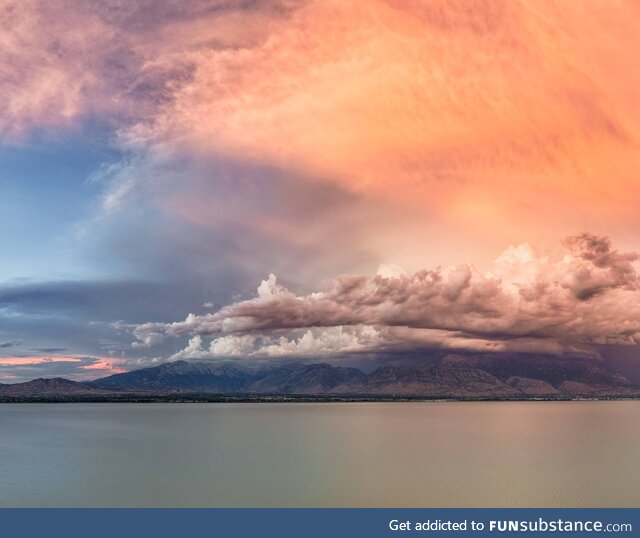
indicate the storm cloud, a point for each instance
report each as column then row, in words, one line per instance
column 590, row 296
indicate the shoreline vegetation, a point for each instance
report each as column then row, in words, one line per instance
column 290, row 398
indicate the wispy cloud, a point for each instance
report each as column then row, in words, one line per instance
column 30, row 361
column 476, row 111
column 120, row 63
column 79, row 368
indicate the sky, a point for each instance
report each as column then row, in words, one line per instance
column 315, row 180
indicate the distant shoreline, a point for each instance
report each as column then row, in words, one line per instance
column 288, row 398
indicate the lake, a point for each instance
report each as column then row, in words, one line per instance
column 431, row 454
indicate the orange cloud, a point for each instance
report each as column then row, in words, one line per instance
column 498, row 116
column 475, row 120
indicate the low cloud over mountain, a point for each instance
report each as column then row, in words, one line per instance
column 526, row 302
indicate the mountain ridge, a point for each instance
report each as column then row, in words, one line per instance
column 454, row 376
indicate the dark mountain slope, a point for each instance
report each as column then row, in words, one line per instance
column 47, row 387
column 307, row 379
column 453, row 376
column 181, row 376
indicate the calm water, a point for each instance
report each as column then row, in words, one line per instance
column 361, row 454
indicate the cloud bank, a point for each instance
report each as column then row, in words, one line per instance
column 590, row 296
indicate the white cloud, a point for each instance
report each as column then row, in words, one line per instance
column 312, row 342
column 148, row 339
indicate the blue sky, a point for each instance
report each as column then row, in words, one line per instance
column 47, row 195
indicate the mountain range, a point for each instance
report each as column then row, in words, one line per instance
column 453, row 376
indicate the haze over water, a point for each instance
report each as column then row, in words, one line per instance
column 483, row 454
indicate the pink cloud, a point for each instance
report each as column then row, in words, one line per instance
column 120, row 62
column 8, row 377
column 27, row 361
column 109, row 365
column 80, row 368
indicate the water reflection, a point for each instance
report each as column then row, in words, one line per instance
column 361, row 454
